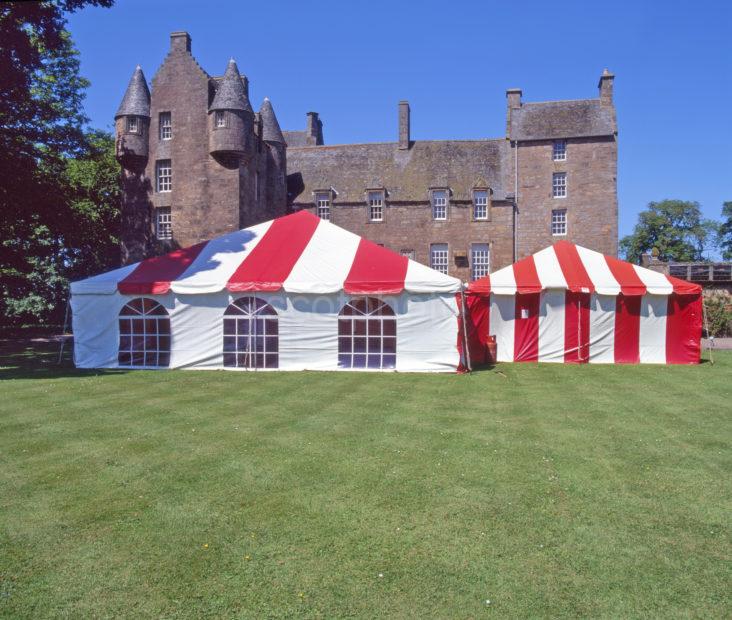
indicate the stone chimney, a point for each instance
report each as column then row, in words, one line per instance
column 514, row 97
column 404, row 136
column 606, row 87
column 180, row 42
column 314, row 129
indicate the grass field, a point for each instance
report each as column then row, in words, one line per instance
column 550, row 491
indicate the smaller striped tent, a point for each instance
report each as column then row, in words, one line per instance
column 570, row 304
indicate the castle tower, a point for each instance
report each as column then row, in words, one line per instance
column 276, row 160
column 231, row 119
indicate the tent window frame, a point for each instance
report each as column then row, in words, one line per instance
column 144, row 334
column 367, row 335
column 251, row 334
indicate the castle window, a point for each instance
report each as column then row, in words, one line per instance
column 144, row 334
column 559, row 222
column 322, row 204
column 219, row 118
column 559, row 185
column 166, row 126
column 163, row 175
column 251, row 334
column 163, row 223
column 133, row 125
column 480, row 260
column 376, row 206
column 408, row 253
column 438, row 257
column 480, row 204
column 439, row 204
column 559, row 150
column 366, row 334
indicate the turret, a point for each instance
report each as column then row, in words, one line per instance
column 231, row 120
column 274, row 142
column 132, row 123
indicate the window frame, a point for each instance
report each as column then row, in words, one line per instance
column 261, row 349
column 163, row 184
column 433, row 263
column 487, row 205
column 372, row 196
column 165, row 126
column 484, row 266
column 410, row 254
column 367, row 335
column 563, row 222
column 324, row 196
column 434, row 206
column 161, row 215
column 221, row 120
column 135, row 322
column 559, row 150
column 129, row 121
column 559, row 189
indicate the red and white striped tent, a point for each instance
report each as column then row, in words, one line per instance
column 570, row 304
column 293, row 293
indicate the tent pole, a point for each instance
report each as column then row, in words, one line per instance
column 63, row 331
column 710, row 338
column 465, row 329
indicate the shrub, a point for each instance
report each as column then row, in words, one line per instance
column 719, row 315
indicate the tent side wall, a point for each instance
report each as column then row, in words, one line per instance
column 427, row 329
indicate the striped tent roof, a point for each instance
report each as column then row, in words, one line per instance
column 298, row 253
column 571, row 267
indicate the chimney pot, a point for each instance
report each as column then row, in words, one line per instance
column 404, row 125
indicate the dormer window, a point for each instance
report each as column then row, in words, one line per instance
column 219, row 119
column 133, row 125
column 439, row 204
column 480, row 204
column 559, row 150
column 322, row 205
column 376, row 206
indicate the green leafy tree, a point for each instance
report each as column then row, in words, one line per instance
column 41, row 127
column 724, row 233
column 675, row 228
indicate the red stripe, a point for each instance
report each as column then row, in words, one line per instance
column 683, row 329
column 627, row 329
column 482, row 286
column 625, row 274
column 272, row 259
column 682, row 287
column 477, row 320
column 376, row 270
column 576, row 327
column 526, row 334
column 573, row 268
column 527, row 279
column 154, row 275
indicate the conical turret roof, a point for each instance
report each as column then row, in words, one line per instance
column 231, row 94
column 271, row 131
column 137, row 97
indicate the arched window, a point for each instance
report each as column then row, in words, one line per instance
column 144, row 334
column 366, row 334
column 250, row 334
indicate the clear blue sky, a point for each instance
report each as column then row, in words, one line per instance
column 353, row 61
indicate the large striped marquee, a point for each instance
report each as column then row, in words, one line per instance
column 570, row 304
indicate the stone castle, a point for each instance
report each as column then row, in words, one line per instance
column 198, row 162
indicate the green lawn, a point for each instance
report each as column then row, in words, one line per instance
column 548, row 490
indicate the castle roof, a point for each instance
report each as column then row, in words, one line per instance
column 271, row 131
column 407, row 175
column 137, row 97
column 561, row 119
column 231, row 93
column 296, row 137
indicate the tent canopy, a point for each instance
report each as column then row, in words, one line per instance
column 298, row 253
column 566, row 266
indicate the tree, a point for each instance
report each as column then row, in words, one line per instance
column 675, row 228
column 724, row 233
column 42, row 125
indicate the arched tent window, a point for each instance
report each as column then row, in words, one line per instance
column 144, row 334
column 251, row 335
column 366, row 334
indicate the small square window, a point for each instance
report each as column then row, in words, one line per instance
column 480, row 204
column 164, row 175
column 559, row 222
column 133, row 125
column 438, row 257
column 559, row 150
column 479, row 260
column 220, row 118
column 376, row 206
column 559, row 185
column 166, row 126
column 439, row 204
column 322, row 205
column 163, row 223
column 408, row 253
